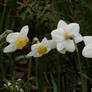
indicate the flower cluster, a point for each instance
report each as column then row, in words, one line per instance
column 14, row 86
column 62, row 40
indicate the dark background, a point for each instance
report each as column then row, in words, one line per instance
column 42, row 17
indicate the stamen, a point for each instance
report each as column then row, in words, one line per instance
column 42, row 49
column 66, row 37
column 21, row 42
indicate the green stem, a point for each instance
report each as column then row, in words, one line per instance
column 12, row 70
column 59, row 78
column 63, row 84
column 58, row 72
column 79, row 66
column 37, row 63
column 12, row 66
column 28, row 77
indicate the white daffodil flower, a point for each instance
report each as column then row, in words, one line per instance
column 21, row 90
column 63, row 34
column 9, row 86
column 17, row 40
column 19, row 79
column 41, row 48
column 87, row 50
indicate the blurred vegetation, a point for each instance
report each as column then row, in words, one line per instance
column 42, row 17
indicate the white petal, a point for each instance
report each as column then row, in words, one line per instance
column 17, row 87
column 12, row 37
column 34, row 54
column 9, row 83
column 19, row 79
column 87, row 39
column 61, row 48
column 35, row 46
column 37, row 55
column 21, row 90
column 57, row 35
column 34, row 51
column 5, row 85
column 61, row 24
column 87, row 51
column 30, row 54
column 48, row 43
column 24, row 31
column 35, row 39
column 44, row 41
column 52, row 44
column 73, row 29
column 69, row 45
column 78, row 38
column 10, row 48
column 63, row 51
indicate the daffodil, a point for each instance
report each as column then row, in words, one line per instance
column 87, row 50
column 9, row 86
column 40, row 48
column 63, row 36
column 17, row 40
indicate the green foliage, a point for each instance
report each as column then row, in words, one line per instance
column 42, row 17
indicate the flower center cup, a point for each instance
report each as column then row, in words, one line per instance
column 42, row 49
column 21, row 42
column 66, row 37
